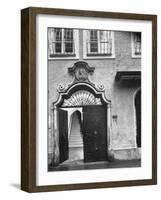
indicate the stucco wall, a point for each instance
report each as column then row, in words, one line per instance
column 120, row 94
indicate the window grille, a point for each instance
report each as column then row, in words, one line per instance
column 99, row 43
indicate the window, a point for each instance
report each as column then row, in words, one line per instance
column 57, row 44
column 136, row 44
column 61, row 42
column 68, row 41
column 93, row 43
column 99, row 43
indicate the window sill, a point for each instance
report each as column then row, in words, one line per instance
column 99, row 54
column 136, row 55
column 62, row 55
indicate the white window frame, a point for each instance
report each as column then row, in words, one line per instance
column 133, row 55
column 76, row 48
column 85, row 56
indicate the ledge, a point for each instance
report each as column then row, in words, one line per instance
column 62, row 55
column 128, row 75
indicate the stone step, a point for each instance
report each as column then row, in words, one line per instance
column 73, row 146
column 75, row 142
column 76, row 136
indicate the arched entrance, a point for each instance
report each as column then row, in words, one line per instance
column 92, row 123
column 81, row 95
column 138, row 117
column 75, row 137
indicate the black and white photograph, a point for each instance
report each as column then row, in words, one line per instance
column 94, row 99
column 89, row 97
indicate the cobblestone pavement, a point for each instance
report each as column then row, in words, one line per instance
column 80, row 165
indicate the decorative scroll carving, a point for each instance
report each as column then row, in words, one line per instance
column 81, row 98
column 81, row 71
column 61, row 88
column 100, row 87
column 85, row 91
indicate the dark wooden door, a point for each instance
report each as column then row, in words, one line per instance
column 95, row 133
column 63, row 135
column 138, row 118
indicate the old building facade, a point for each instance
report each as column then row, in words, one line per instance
column 94, row 95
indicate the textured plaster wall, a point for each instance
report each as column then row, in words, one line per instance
column 123, row 128
column 121, row 94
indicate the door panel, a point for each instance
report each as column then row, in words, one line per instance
column 63, row 135
column 138, row 117
column 95, row 133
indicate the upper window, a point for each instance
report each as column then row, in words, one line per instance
column 61, row 42
column 136, row 44
column 98, row 43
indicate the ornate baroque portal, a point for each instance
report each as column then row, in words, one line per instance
column 85, row 94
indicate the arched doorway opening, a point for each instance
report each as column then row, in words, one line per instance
column 94, row 123
column 138, row 117
column 76, row 137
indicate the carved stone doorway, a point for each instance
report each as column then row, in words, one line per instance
column 82, row 94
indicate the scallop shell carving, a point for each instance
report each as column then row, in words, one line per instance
column 81, row 98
